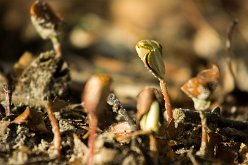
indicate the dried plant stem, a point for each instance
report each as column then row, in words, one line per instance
column 230, row 31
column 167, row 100
column 55, row 128
column 203, row 151
column 92, row 137
column 56, row 46
column 8, row 96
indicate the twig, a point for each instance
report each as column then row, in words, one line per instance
column 229, row 35
column 117, row 107
column 55, row 128
column 8, row 97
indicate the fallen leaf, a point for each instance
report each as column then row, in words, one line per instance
column 33, row 118
column 23, row 117
column 23, row 62
column 120, row 131
column 203, row 84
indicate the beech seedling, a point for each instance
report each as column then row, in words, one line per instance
column 47, row 23
column 199, row 89
column 94, row 99
column 150, row 52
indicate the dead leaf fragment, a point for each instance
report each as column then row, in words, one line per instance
column 203, row 84
column 23, row 62
column 121, row 130
column 33, row 118
column 23, row 117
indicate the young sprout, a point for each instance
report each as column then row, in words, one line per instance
column 94, row 97
column 150, row 52
column 47, row 23
column 199, row 90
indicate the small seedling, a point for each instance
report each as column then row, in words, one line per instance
column 150, row 52
column 47, row 23
column 199, row 90
column 94, row 98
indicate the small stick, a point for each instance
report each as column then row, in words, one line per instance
column 8, row 98
column 229, row 35
column 118, row 108
column 55, row 128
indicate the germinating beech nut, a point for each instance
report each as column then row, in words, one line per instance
column 95, row 93
column 144, row 101
column 150, row 120
column 203, row 84
column 150, row 52
column 45, row 20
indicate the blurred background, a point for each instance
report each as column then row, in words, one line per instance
column 100, row 36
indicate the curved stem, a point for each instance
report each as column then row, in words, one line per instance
column 56, row 46
column 167, row 100
column 203, row 151
column 55, row 129
column 92, row 136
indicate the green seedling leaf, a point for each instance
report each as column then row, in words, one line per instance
column 150, row 52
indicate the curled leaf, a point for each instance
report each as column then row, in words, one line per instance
column 46, row 22
column 23, row 117
column 150, row 52
column 95, row 93
column 33, row 118
column 203, row 84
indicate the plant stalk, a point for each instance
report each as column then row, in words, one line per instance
column 167, row 100
column 203, row 151
column 92, row 137
column 55, row 128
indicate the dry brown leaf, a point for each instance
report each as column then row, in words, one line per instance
column 203, row 84
column 23, row 117
column 121, row 130
column 33, row 118
column 23, row 62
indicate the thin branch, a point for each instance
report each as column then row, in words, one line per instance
column 8, row 97
column 230, row 31
column 118, row 108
